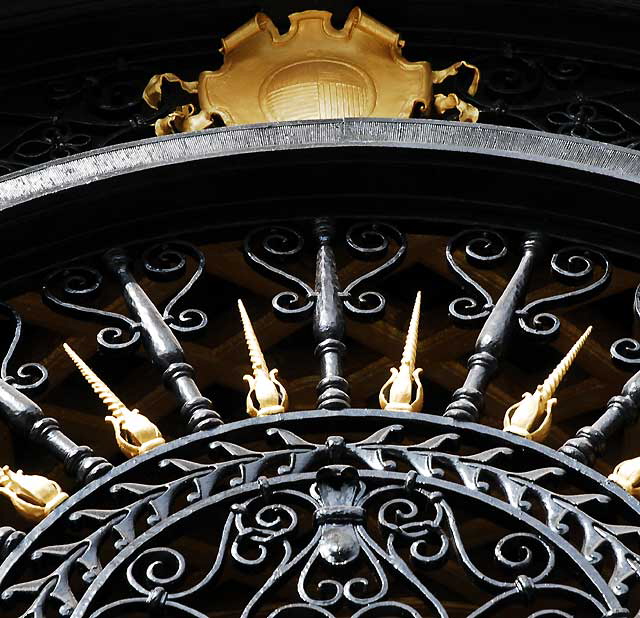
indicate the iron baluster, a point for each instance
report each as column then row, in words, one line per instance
column 26, row 417
column 622, row 410
column 468, row 401
column 164, row 349
column 328, row 322
column 327, row 300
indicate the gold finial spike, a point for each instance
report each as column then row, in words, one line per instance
column 255, row 353
column 397, row 392
column 550, row 385
column 411, row 343
column 114, row 405
column 266, row 393
column 627, row 475
column 34, row 497
column 531, row 417
column 134, row 432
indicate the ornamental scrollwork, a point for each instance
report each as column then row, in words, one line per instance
column 482, row 248
column 413, row 522
column 168, row 261
column 586, row 270
column 29, row 376
column 626, row 351
column 269, row 249
column 326, row 492
column 67, row 290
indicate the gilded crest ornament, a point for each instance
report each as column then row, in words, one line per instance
column 134, row 432
column 33, row 496
column 313, row 71
column 266, row 394
column 403, row 391
column 531, row 418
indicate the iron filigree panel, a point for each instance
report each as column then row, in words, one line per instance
column 291, row 520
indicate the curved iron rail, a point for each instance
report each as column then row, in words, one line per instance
column 524, row 144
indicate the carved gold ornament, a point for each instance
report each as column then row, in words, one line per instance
column 627, row 475
column 266, row 394
column 313, row 71
column 403, row 392
column 134, row 432
column 34, row 497
column 531, row 418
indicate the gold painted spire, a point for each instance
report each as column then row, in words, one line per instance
column 34, row 497
column 114, row 405
column 265, row 389
column 398, row 391
column 134, row 432
column 531, row 417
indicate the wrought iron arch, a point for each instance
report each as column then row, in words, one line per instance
column 540, row 496
column 506, row 183
column 450, row 466
column 342, row 508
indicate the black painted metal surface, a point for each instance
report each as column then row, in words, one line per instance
column 330, row 517
column 326, row 513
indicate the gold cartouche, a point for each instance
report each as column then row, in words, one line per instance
column 531, row 418
column 134, row 432
column 34, row 497
column 398, row 391
column 312, row 71
column 266, row 393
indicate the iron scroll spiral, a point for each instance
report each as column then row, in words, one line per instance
column 31, row 377
column 571, row 265
column 168, row 261
column 64, row 287
column 482, row 248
